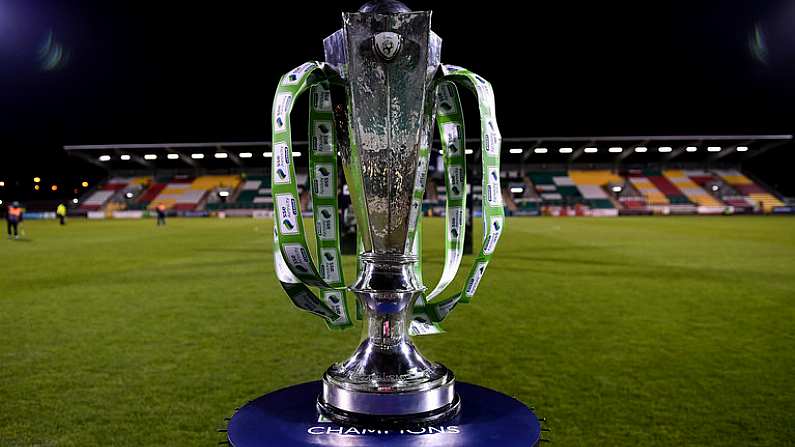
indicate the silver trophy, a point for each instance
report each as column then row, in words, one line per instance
column 387, row 57
column 375, row 101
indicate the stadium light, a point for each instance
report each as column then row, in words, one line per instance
column 641, row 149
column 36, row 179
column 104, row 158
column 197, row 156
column 129, row 195
column 713, row 149
column 469, row 152
column 664, row 149
column 691, row 149
column 617, row 188
column 540, row 150
column 516, row 150
column 517, row 189
column 565, row 150
column 54, row 188
column 616, row 150
column 75, row 201
column 591, row 150
column 223, row 193
column 296, row 154
column 172, row 156
column 245, row 155
column 742, row 148
column 221, row 155
column 150, row 157
column 84, row 184
column 125, row 157
column 267, row 154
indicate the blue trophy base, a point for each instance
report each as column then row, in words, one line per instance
column 289, row 418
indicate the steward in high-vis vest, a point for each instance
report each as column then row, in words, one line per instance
column 14, row 217
column 61, row 213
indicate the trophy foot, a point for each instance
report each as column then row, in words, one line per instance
column 373, row 421
column 434, row 402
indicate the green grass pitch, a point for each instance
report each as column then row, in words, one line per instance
column 621, row 332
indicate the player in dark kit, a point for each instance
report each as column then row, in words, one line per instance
column 161, row 214
column 13, row 218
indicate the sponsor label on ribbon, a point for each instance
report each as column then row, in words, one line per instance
column 288, row 214
column 323, row 183
column 281, row 163
column 321, row 142
column 284, row 102
column 326, row 222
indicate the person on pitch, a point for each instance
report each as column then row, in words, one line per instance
column 161, row 214
column 13, row 219
column 60, row 211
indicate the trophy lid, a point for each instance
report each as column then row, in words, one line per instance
column 384, row 7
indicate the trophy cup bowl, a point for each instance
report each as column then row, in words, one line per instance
column 386, row 57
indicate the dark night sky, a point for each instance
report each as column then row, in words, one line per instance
column 205, row 71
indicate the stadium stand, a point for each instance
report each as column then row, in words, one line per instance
column 692, row 191
column 645, row 186
column 591, row 185
column 756, row 194
column 187, row 195
column 721, row 189
column 553, row 191
column 255, row 193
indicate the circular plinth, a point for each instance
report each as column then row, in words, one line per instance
column 289, row 418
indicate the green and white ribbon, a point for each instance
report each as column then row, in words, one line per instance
column 295, row 267
column 492, row 205
column 291, row 249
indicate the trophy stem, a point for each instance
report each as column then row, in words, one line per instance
column 387, row 382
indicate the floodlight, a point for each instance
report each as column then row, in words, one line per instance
column 267, row 154
column 296, row 154
column 517, row 190
column 615, row 150
column 75, row 201
column 641, row 149
column 223, row 193
column 469, row 151
column 84, row 184
column 540, row 150
column 150, row 157
column 104, row 158
column 617, row 189
column 715, row 187
column 125, row 157
column 565, row 150
column 172, row 156
column 516, row 150
column 713, row 149
column 54, row 188
column 691, row 149
column 245, row 155
column 129, row 195
column 221, row 155
column 665, row 149
column 197, row 156
column 591, row 150
column 742, row 148
column 36, row 179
